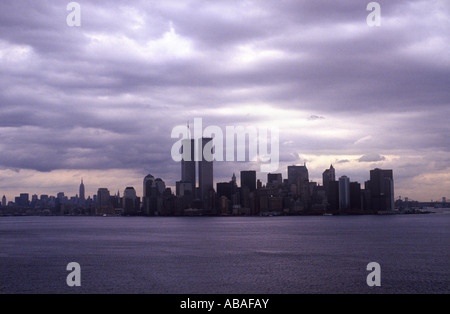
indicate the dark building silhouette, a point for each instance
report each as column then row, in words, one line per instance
column 104, row 205
column 327, row 176
column 333, row 195
column 381, row 190
column 296, row 173
column 248, row 180
column 130, row 202
column 103, row 196
column 366, row 199
column 205, row 171
column 23, row 200
column 82, row 191
column 149, row 186
column 344, row 193
column 149, row 196
column 188, row 169
column 224, row 189
column 274, row 179
column 355, row 196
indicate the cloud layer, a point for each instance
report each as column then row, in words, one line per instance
column 104, row 97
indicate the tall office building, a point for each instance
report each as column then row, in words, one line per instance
column 149, row 195
column 24, row 200
column 160, row 186
column 184, row 189
column 103, row 198
column 296, row 173
column 4, row 201
column 148, row 185
column 355, row 196
column 274, row 179
column 344, row 193
column 333, row 195
column 205, row 170
column 130, row 201
column 224, row 189
column 188, row 163
column 327, row 176
column 248, row 180
column 381, row 189
column 82, row 191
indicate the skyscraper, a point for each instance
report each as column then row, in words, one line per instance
column 327, row 176
column 205, row 169
column 355, row 196
column 274, row 179
column 130, row 201
column 149, row 195
column 224, row 189
column 82, row 195
column 103, row 198
column 188, row 163
column 296, row 173
column 148, row 185
column 160, row 186
column 233, row 181
column 382, row 189
column 248, row 180
column 333, row 195
column 24, row 200
column 344, row 193
column 4, row 201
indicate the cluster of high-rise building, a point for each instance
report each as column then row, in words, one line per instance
column 196, row 195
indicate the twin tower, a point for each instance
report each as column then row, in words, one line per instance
column 189, row 170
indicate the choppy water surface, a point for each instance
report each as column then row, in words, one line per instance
column 225, row 254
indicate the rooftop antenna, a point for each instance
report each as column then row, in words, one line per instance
column 189, row 130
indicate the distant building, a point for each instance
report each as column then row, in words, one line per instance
column 149, row 195
column 333, row 195
column 184, row 188
column 224, row 189
column 327, row 176
column 296, row 173
column 82, row 191
column 130, row 202
column 4, row 201
column 381, row 190
column 355, row 196
column 248, row 179
column 274, row 179
column 205, row 171
column 148, row 186
column 160, row 186
column 103, row 198
column 344, row 193
column 24, row 200
column 188, row 169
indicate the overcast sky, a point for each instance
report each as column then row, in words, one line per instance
column 99, row 101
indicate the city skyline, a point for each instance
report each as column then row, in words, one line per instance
column 99, row 101
column 294, row 195
column 91, row 190
column 292, row 174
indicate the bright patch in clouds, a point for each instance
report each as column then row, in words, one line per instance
column 100, row 101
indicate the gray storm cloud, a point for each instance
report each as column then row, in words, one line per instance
column 107, row 94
